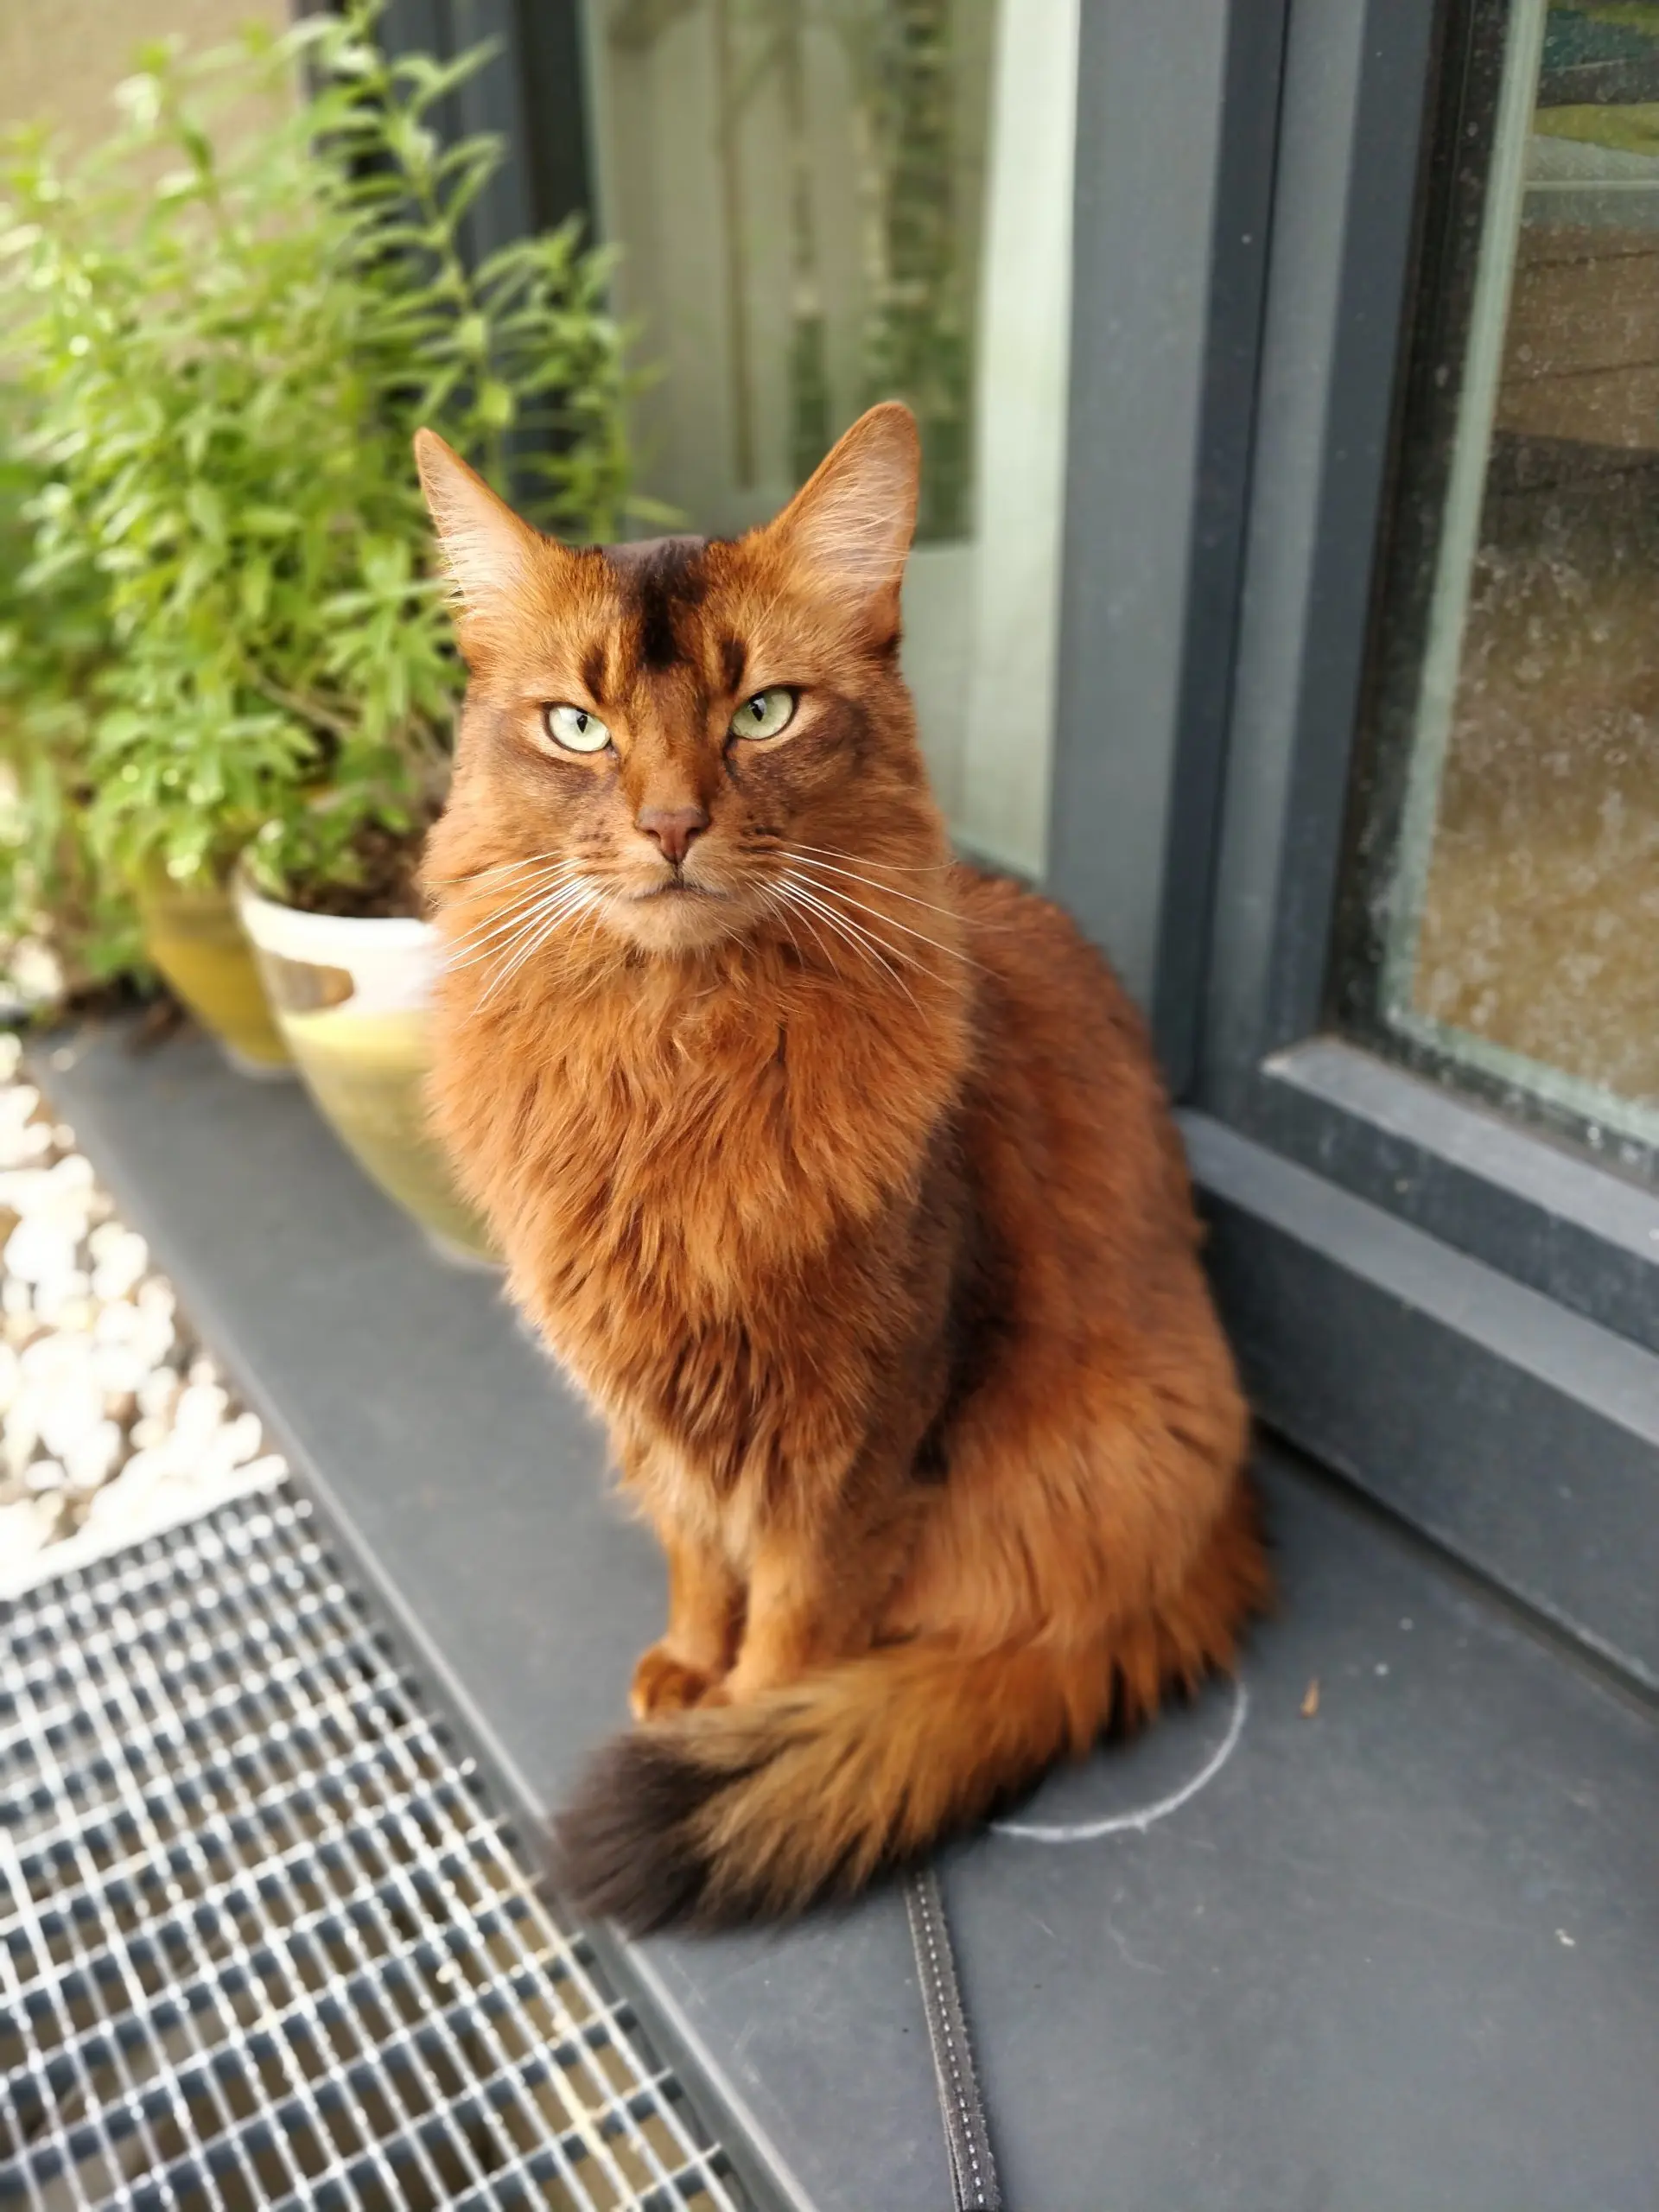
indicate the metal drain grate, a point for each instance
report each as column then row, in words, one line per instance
column 262, row 1943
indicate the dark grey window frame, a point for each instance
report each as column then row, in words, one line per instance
column 1460, row 1314
column 532, row 93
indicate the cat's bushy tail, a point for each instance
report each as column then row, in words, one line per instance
column 756, row 1811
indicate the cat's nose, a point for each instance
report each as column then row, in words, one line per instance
column 672, row 828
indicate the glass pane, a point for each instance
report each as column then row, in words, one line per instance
column 1508, row 851
column 822, row 203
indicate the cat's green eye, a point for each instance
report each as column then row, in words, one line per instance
column 766, row 715
column 576, row 729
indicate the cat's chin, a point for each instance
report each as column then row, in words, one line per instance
column 676, row 919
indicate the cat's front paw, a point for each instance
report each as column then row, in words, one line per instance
column 663, row 1683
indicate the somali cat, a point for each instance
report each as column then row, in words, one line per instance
column 840, row 1178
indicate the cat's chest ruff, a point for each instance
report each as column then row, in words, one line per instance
column 754, row 1132
column 667, row 1131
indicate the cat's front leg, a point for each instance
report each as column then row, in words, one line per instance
column 705, row 1604
column 817, row 1591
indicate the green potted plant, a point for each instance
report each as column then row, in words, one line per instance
column 73, row 923
column 227, row 371
column 67, row 928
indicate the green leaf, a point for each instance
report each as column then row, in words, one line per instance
column 253, row 590
column 496, row 405
column 204, row 505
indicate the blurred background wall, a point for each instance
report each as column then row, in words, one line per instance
column 63, row 58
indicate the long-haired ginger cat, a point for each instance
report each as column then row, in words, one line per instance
column 841, row 1180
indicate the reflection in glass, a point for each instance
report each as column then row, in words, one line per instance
column 826, row 203
column 1517, row 910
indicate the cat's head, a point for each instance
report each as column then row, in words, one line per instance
column 685, row 741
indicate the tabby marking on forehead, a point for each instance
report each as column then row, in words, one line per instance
column 664, row 576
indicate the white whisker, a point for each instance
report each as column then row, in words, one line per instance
column 482, row 943
column 799, row 855
column 504, row 973
column 921, row 936
column 776, row 905
column 574, row 898
column 503, row 867
column 818, row 936
column 832, row 902
column 517, row 894
column 550, row 911
column 505, row 920
column 839, row 903
column 861, row 939
column 895, row 867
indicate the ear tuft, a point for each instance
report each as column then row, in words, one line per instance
column 487, row 548
column 852, row 522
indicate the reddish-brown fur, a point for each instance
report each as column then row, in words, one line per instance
column 876, row 1253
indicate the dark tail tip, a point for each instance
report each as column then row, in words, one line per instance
column 627, row 1849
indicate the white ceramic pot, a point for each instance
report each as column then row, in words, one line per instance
column 350, row 999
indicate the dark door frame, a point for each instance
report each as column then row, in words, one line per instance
column 1456, row 1311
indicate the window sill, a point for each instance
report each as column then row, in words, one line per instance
column 1522, row 1436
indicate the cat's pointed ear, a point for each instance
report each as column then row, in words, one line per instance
column 850, row 525
column 487, row 549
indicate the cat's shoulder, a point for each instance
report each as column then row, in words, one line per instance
column 1046, row 965
column 1001, row 912
column 984, row 895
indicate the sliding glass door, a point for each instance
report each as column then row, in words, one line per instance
column 1504, row 919
column 820, row 203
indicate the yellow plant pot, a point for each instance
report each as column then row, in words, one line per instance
column 195, row 940
column 350, row 999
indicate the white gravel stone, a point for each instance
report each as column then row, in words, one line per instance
column 99, row 1426
column 18, row 1447
column 122, row 1507
column 61, row 1356
column 94, row 1459
column 121, row 1371
column 59, row 1388
column 68, row 1304
column 158, row 1393
column 201, row 1407
column 40, row 1249
column 71, row 1417
column 269, row 1468
column 24, row 1527
column 237, row 1443
column 149, row 1336
column 121, row 1265
column 18, row 1103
